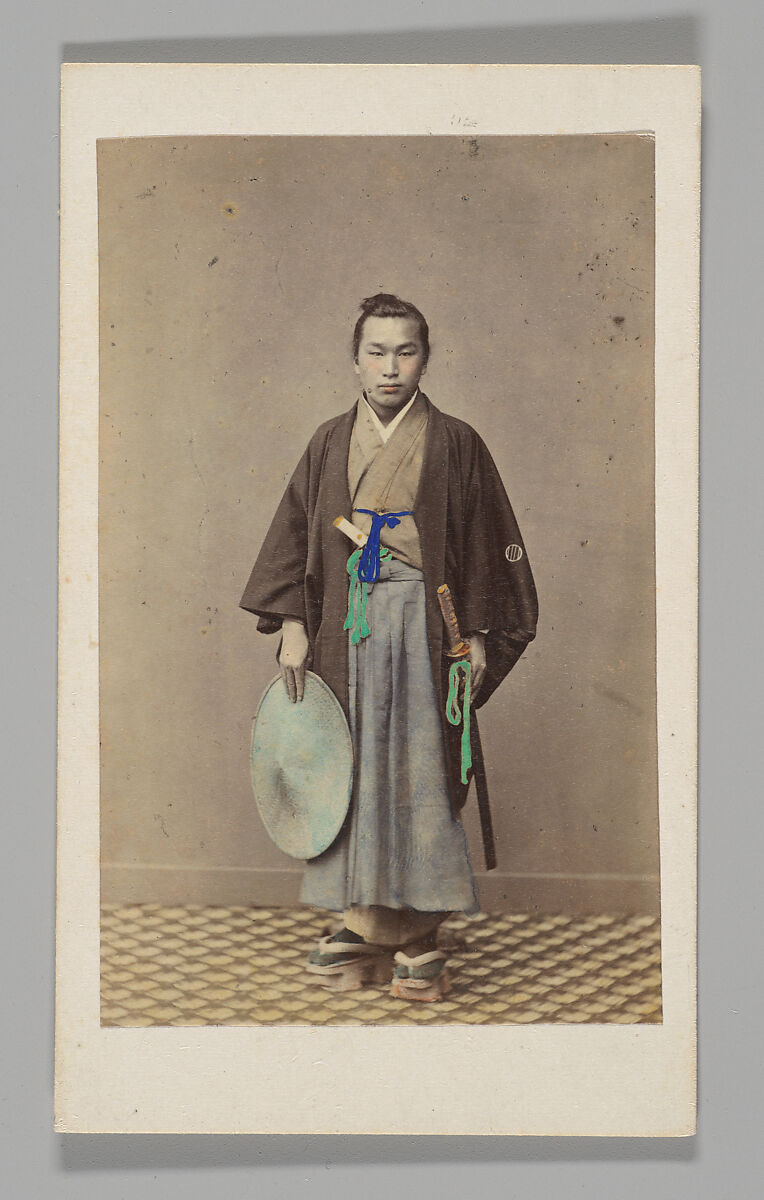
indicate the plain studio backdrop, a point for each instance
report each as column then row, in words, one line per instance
column 230, row 274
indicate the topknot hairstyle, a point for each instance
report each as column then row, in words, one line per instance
column 386, row 305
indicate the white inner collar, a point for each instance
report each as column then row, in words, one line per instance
column 387, row 431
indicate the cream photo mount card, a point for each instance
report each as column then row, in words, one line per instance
column 445, row 281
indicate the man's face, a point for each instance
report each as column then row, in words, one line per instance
column 390, row 362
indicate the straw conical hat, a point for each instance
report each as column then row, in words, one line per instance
column 302, row 767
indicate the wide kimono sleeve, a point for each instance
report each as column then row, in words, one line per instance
column 276, row 586
column 497, row 589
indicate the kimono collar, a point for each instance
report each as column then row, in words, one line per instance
column 387, row 431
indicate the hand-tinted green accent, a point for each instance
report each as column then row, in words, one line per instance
column 452, row 709
column 358, row 592
column 356, row 618
column 321, row 958
column 428, row 970
column 302, row 767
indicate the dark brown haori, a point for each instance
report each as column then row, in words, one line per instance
column 469, row 539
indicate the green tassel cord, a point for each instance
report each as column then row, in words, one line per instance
column 453, row 713
column 358, row 593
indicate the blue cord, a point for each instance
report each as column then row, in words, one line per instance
column 368, row 563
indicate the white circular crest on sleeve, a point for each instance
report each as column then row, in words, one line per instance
column 513, row 552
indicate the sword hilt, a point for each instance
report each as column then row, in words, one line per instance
column 351, row 531
column 457, row 647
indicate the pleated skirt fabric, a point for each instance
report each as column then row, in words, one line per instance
column 401, row 847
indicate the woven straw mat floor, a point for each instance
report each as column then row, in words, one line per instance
column 244, row 966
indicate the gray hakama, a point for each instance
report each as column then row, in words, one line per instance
column 401, row 847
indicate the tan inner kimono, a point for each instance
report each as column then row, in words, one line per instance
column 384, row 476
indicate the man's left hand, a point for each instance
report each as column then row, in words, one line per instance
column 477, row 662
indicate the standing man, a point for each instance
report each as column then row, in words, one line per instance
column 424, row 489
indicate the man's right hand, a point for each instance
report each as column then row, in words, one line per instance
column 292, row 658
